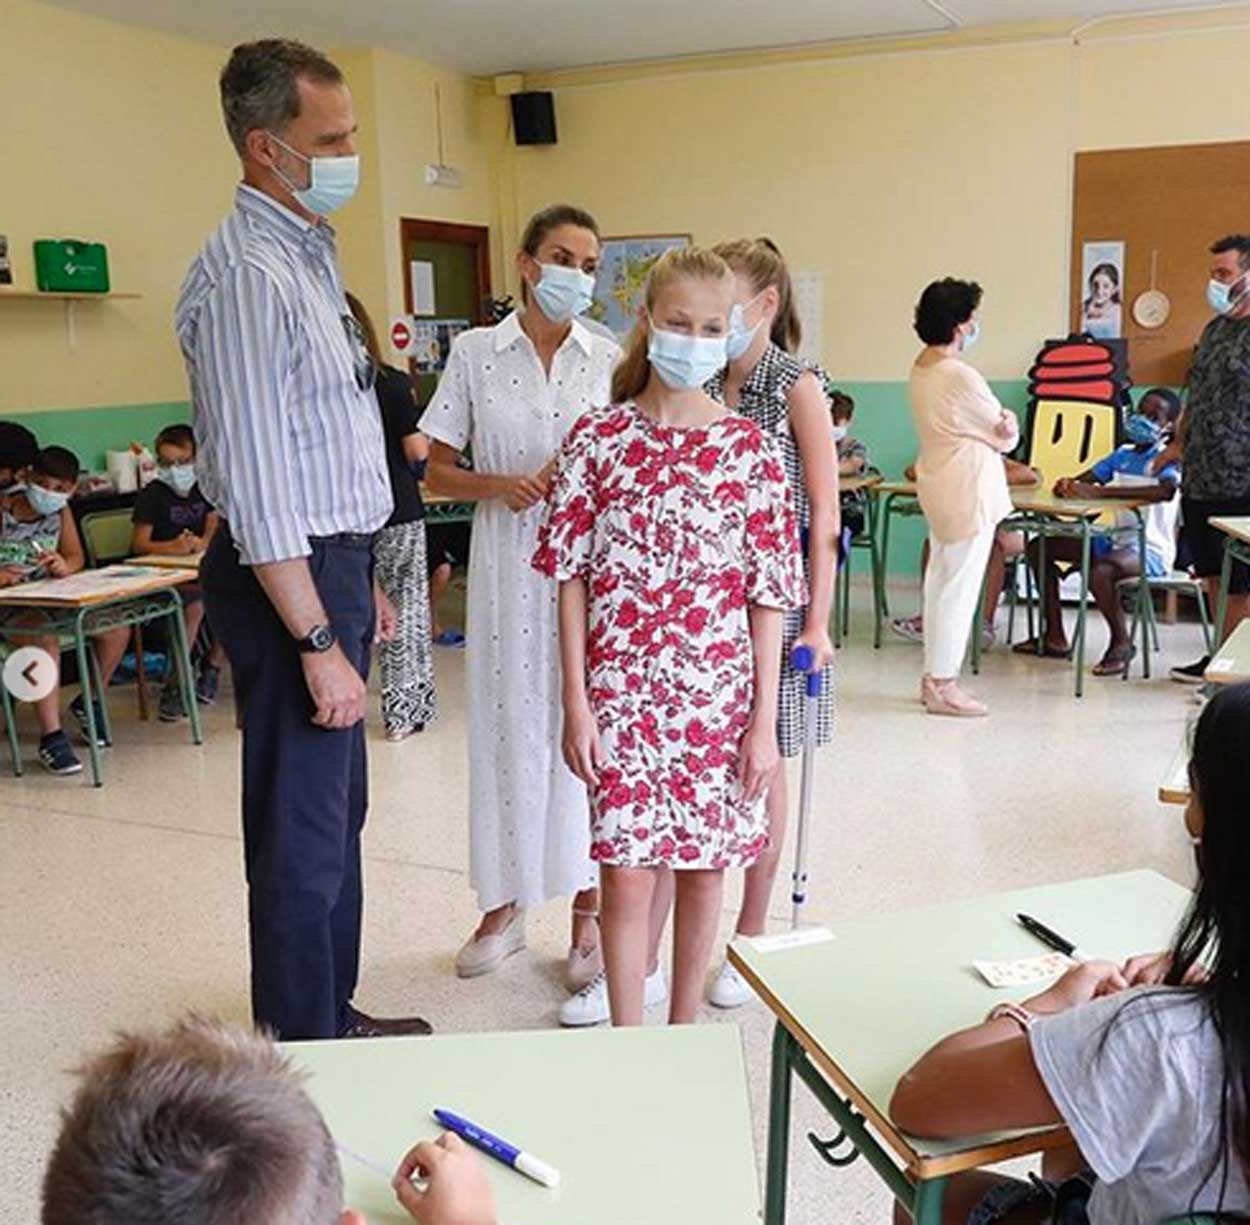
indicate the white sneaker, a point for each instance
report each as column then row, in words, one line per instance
column 590, row 1005
column 729, row 989
column 485, row 956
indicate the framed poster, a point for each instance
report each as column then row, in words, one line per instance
column 431, row 342
column 1102, row 295
column 623, row 267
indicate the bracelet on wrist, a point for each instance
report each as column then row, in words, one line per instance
column 1012, row 1012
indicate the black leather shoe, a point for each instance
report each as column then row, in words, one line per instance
column 359, row 1025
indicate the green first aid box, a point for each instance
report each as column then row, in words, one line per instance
column 70, row 265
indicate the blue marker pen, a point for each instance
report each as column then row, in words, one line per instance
column 521, row 1161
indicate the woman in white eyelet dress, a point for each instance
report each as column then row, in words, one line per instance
column 509, row 395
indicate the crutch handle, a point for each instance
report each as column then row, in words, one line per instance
column 803, row 659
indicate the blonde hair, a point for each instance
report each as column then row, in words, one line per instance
column 200, row 1124
column 761, row 261
column 678, row 264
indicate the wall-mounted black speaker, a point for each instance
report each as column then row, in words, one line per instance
column 534, row 118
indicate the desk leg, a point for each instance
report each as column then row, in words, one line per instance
column 1221, row 604
column 780, row 1092
column 1039, row 642
column 84, row 679
column 927, row 1209
column 10, row 726
column 1145, row 604
column 1079, row 653
column 186, row 676
column 882, row 569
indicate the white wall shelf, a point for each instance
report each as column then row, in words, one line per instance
column 70, row 301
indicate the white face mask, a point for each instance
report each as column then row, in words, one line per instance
column 840, row 432
column 740, row 337
column 332, row 181
column 179, row 477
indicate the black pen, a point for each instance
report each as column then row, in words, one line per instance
column 1051, row 939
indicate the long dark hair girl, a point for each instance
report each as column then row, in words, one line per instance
column 1216, row 928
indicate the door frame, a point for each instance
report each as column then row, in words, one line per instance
column 414, row 229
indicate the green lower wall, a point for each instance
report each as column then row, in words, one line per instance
column 89, row 432
column 882, row 421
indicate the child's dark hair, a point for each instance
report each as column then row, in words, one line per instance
column 60, row 463
column 841, row 406
column 176, row 436
column 1216, row 928
column 18, row 446
column 1169, row 397
column 943, row 306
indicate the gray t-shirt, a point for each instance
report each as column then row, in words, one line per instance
column 1144, row 1107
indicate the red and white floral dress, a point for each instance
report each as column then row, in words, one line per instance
column 676, row 532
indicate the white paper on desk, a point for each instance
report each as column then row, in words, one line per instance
column 788, row 940
column 1024, row 970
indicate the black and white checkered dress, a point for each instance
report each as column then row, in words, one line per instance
column 763, row 399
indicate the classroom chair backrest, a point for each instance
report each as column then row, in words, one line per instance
column 106, row 535
column 1067, row 436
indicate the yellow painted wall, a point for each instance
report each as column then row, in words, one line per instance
column 876, row 170
column 394, row 101
column 111, row 133
column 880, row 171
column 114, row 133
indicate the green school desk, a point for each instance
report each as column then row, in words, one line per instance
column 853, row 1013
column 1230, row 665
column 889, row 498
column 1175, row 786
column 1041, row 513
column 645, row 1125
column 867, row 539
column 439, row 509
column 74, row 608
column 1236, row 548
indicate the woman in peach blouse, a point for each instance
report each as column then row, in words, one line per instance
column 963, row 430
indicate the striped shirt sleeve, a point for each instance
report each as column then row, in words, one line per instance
column 245, row 356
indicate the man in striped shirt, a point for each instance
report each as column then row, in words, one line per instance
column 291, row 454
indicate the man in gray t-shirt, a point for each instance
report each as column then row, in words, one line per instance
column 1214, row 433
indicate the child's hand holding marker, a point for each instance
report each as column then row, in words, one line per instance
column 456, row 1191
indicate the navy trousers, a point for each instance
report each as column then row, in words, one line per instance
column 305, row 789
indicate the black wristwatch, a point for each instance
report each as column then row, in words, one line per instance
column 317, row 641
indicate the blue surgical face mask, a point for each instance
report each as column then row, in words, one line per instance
column 46, row 501
column 1220, row 297
column 1140, row 430
column 332, row 181
column 739, row 339
column 971, row 338
column 563, row 292
column 179, row 477
column 685, row 363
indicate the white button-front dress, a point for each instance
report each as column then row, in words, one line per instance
column 529, row 821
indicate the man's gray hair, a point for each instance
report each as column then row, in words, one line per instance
column 201, row 1124
column 260, row 84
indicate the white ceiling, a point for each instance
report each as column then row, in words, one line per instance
column 490, row 36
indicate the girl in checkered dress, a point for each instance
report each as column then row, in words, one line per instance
column 767, row 384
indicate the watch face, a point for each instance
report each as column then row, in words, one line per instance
column 321, row 638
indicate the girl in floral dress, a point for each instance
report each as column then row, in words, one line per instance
column 670, row 529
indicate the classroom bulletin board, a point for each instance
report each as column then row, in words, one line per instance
column 1173, row 201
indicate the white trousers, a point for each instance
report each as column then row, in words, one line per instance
column 952, row 592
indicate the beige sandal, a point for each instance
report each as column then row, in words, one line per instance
column 946, row 698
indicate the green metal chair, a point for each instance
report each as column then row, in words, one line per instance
column 107, row 537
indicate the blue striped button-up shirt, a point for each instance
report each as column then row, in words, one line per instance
column 289, row 446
